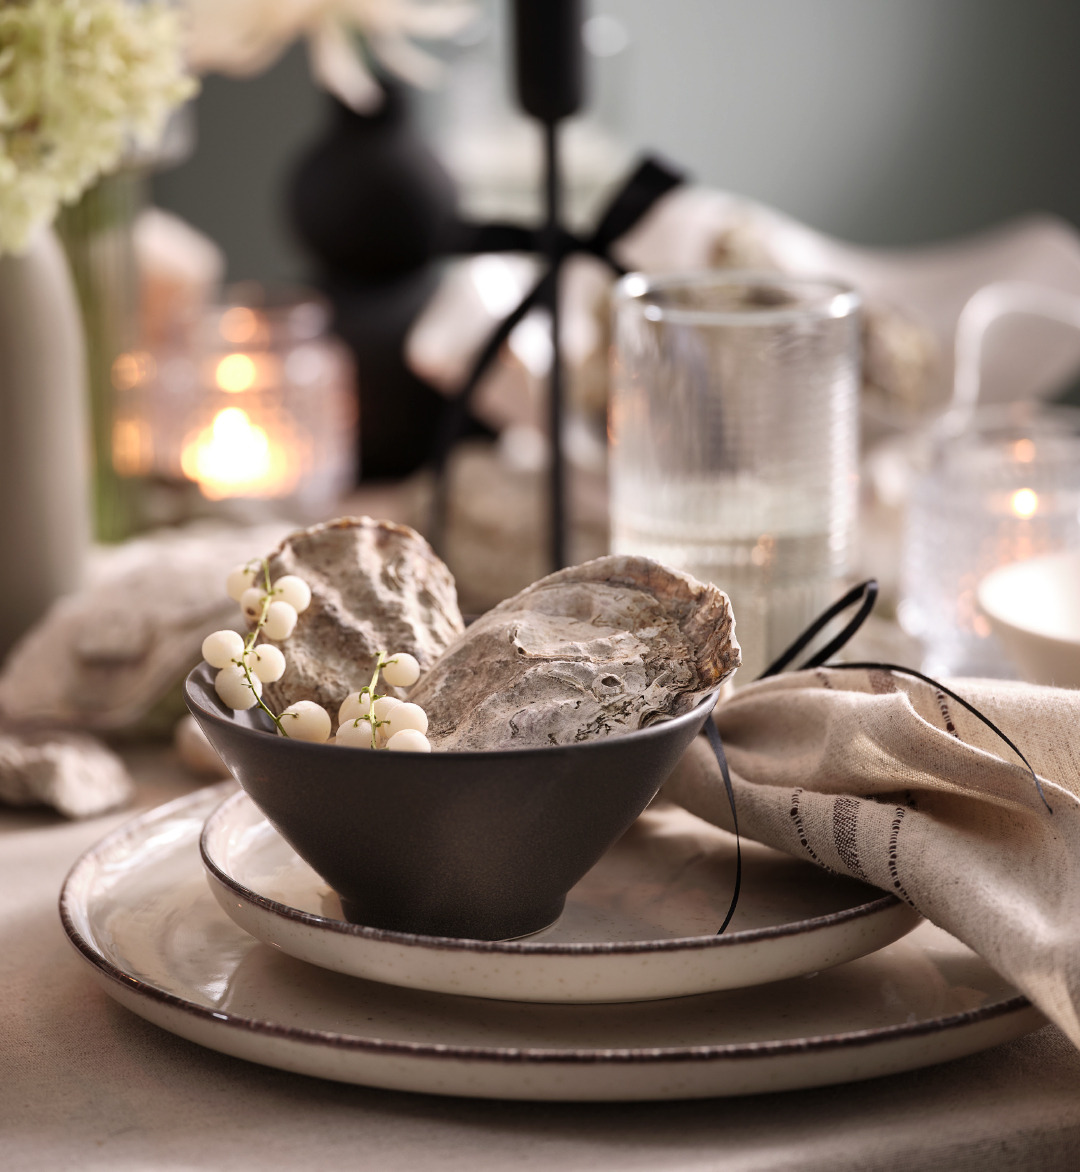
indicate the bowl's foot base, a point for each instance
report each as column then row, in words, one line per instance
column 458, row 927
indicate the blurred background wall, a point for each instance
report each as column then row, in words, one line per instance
column 880, row 121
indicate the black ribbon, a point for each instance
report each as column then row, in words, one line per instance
column 652, row 179
column 865, row 594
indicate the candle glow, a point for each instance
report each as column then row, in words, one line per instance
column 1024, row 502
column 235, row 457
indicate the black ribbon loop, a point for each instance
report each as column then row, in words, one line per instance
column 910, row 671
column 652, row 179
column 866, row 591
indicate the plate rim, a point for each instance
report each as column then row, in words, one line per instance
column 527, row 946
column 526, row 1055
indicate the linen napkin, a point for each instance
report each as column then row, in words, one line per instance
column 872, row 774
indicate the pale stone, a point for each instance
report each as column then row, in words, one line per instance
column 105, row 655
column 612, row 645
column 73, row 773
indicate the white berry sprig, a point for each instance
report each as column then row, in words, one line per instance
column 365, row 718
column 368, row 720
column 245, row 664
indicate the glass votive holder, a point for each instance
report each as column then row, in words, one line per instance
column 996, row 486
column 732, row 440
column 252, row 404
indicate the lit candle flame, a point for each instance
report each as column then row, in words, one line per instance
column 1024, row 502
column 234, row 457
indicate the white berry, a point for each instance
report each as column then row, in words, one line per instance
column 222, row 647
column 251, row 603
column 240, row 579
column 402, row 670
column 384, row 706
column 293, row 590
column 306, row 721
column 407, row 716
column 409, row 741
column 280, row 620
column 355, row 704
column 356, row 733
column 266, row 662
column 231, row 684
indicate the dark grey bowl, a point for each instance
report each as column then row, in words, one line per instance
column 476, row 845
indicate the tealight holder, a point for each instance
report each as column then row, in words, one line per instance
column 251, row 404
column 997, row 486
column 475, row 845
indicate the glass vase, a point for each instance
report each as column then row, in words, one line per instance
column 97, row 233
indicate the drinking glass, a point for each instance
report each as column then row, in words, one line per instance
column 997, row 485
column 733, row 440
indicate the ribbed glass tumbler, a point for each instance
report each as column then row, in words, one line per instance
column 733, row 440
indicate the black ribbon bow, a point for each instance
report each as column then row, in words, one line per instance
column 651, row 179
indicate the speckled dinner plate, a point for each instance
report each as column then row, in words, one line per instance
column 138, row 910
column 640, row 926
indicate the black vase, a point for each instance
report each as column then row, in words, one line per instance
column 376, row 209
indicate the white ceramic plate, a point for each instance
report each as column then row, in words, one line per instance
column 640, row 926
column 138, row 910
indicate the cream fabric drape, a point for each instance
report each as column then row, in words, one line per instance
column 883, row 777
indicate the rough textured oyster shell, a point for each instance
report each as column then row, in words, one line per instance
column 375, row 586
column 605, row 647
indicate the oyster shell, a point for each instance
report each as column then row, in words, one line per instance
column 605, row 647
column 375, row 586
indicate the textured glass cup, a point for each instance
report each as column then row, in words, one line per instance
column 251, row 403
column 999, row 485
column 733, row 440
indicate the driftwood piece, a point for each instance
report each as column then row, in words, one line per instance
column 609, row 646
column 73, row 773
column 375, row 586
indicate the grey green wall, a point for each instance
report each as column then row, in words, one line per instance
column 882, row 121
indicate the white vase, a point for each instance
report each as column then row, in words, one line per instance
column 44, row 457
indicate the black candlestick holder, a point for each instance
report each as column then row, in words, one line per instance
column 549, row 74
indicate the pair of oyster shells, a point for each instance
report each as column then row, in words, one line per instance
column 608, row 646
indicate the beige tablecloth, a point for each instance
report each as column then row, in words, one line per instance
column 86, row 1085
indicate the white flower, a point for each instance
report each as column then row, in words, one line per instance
column 243, row 37
column 79, row 79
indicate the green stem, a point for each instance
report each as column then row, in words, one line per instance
column 249, row 645
column 380, row 663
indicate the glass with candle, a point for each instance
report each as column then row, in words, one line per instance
column 733, row 440
column 994, row 486
column 252, row 402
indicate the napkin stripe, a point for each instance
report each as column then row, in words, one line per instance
column 946, row 715
column 894, row 840
column 800, row 830
column 845, row 834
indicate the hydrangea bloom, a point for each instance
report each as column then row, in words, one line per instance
column 79, row 81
